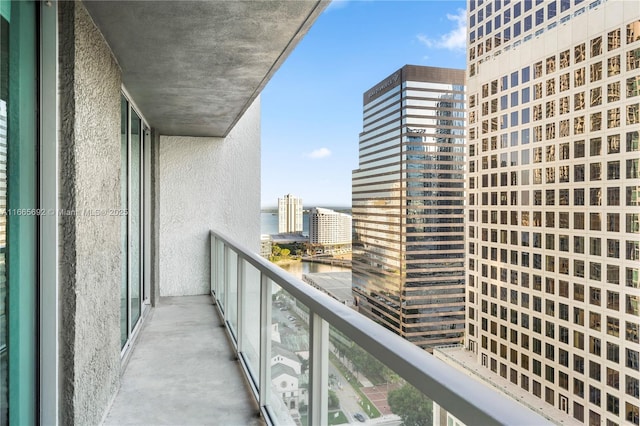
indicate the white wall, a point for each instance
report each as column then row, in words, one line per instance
column 206, row 183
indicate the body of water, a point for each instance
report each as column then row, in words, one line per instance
column 299, row 268
column 269, row 223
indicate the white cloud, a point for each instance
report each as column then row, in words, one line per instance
column 456, row 39
column 319, row 153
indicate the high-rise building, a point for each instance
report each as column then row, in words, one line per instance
column 554, row 185
column 328, row 227
column 289, row 214
column 408, row 205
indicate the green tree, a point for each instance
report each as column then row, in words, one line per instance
column 334, row 401
column 411, row 405
column 285, row 252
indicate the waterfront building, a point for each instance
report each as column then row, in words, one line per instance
column 329, row 228
column 289, row 214
column 408, row 205
column 553, row 179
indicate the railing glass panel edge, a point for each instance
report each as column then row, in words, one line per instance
column 312, row 360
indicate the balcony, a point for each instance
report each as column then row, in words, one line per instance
column 288, row 354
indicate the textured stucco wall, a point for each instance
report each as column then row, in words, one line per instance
column 206, row 183
column 90, row 245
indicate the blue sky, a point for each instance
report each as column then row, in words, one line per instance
column 312, row 107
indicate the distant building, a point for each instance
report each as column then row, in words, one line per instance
column 265, row 246
column 289, row 214
column 408, row 206
column 328, row 227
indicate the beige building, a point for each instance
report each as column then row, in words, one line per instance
column 289, row 214
column 328, row 227
column 553, row 205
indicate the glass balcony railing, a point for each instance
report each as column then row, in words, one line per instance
column 311, row 360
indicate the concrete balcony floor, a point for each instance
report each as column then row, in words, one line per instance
column 182, row 371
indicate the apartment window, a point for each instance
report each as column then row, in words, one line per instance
column 579, row 53
column 632, row 196
column 632, row 141
column 613, row 118
column 632, row 332
column 631, row 304
column 613, row 193
column 595, row 173
column 633, row 168
column 613, row 170
column 633, row 59
column 537, row 389
column 594, row 370
column 613, row 378
column 596, row 96
column 632, row 386
column 578, row 295
column 633, row 223
column 613, row 248
column 633, row 86
column 632, row 277
column 613, row 274
column 633, row 114
column 578, row 411
column 613, row 95
column 578, row 363
column 578, row 149
column 594, row 395
column 613, row 66
column 550, row 377
column 613, row 222
column 613, row 144
column 633, row 34
column 578, row 220
column 595, row 221
column 613, row 326
column 613, row 404
column 613, row 39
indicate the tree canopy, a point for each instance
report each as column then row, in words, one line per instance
column 411, row 405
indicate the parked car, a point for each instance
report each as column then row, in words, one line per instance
column 359, row 417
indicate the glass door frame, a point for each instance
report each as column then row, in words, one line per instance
column 142, row 236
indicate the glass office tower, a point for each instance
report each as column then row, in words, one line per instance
column 408, row 205
column 553, row 235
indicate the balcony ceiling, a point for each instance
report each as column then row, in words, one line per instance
column 194, row 67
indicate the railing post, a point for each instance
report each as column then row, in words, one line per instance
column 240, row 289
column 213, row 269
column 225, row 280
column 319, row 370
column 265, row 341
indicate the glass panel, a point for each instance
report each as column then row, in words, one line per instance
column 368, row 390
column 289, row 359
column 220, row 287
column 251, row 319
column 232, row 292
column 358, row 381
column 135, row 229
column 18, row 143
column 124, row 159
column 4, row 301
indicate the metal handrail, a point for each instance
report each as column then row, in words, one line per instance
column 466, row 398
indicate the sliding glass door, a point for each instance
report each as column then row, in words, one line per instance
column 133, row 131
column 18, row 204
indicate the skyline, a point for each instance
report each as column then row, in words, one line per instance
column 312, row 107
